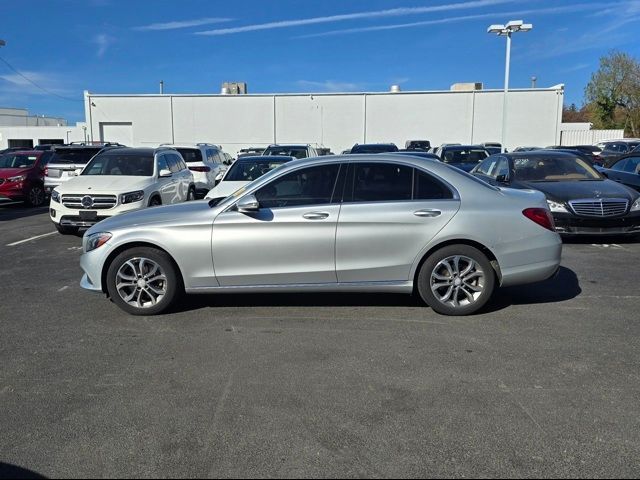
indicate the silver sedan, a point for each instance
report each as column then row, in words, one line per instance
column 376, row 223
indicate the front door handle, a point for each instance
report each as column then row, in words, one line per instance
column 316, row 215
column 428, row 213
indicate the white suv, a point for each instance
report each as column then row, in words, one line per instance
column 120, row 180
column 206, row 161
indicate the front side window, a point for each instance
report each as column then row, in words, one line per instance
column 308, row 186
column 120, row 165
column 172, row 161
column 380, row 182
column 162, row 163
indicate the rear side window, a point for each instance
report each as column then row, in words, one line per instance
column 190, row 155
column 379, row 182
column 427, row 187
column 632, row 165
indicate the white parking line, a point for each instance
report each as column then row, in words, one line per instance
column 30, row 239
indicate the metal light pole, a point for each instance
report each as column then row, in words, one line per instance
column 506, row 31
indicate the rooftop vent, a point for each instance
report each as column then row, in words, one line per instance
column 234, row 88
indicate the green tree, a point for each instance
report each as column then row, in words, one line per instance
column 614, row 93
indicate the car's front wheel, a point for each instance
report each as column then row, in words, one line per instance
column 456, row 280
column 143, row 281
column 36, row 196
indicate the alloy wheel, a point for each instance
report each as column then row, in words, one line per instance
column 36, row 196
column 141, row 282
column 457, row 281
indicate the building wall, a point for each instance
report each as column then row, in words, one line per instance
column 337, row 121
column 76, row 134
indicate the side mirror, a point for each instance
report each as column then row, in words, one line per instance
column 248, row 204
column 502, row 179
column 165, row 174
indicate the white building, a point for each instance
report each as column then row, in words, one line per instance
column 335, row 120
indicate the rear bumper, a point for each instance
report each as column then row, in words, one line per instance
column 567, row 224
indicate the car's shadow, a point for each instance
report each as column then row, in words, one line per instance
column 8, row 470
column 564, row 286
column 14, row 211
column 601, row 239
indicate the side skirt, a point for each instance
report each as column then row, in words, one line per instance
column 383, row 287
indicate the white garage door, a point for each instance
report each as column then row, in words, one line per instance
column 118, row 132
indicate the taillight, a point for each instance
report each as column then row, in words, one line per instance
column 200, row 169
column 541, row 216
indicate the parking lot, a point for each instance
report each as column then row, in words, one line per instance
column 545, row 382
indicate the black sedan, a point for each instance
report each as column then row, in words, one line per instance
column 464, row 157
column 581, row 199
column 626, row 171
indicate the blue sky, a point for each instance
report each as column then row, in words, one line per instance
column 115, row 46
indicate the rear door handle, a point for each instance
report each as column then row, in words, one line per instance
column 316, row 215
column 428, row 213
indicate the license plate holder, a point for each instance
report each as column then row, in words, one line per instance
column 88, row 215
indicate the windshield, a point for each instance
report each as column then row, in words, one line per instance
column 17, row 161
column 190, row 155
column 247, row 170
column 78, row 156
column 464, row 155
column 374, row 149
column 120, row 165
column 553, row 169
column 297, row 152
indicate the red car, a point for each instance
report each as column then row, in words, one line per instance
column 22, row 176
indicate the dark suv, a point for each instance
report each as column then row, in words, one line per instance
column 22, row 176
column 68, row 160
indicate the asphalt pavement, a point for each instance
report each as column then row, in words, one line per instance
column 544, row 383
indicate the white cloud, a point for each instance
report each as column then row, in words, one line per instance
column 103, row 42
column 14, row 84
column 329, row 86
column 181, row 24
column 395, row 12
column 440, row 21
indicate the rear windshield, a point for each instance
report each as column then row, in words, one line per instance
column 121, row 165
column 78, row 156
column 247, row 171
column 17, row 161
column 374, row 148
column 190, row 155
column 467, row 155
column 297, row 152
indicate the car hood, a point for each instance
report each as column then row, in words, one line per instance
column 575, row 190
column 224, row 189
column 13, row 172
column 163, row 215
column 106, row 184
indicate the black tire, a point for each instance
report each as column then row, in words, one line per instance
column 172, row 284
column 155, row 201
column 462, row 286
column 36, row 196
column 191, row 195
column 66, row 230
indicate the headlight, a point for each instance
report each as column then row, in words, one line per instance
column 96, row 240
column 132, row 197
column 19, row 178
column 557, row 207
column 55, row 196
column 636, row 205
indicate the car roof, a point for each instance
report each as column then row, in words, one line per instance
column 463, row 147
column 265, row 158
column 542, row 154
column 136, row 150
column 27, row 150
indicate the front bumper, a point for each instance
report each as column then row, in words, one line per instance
column 568, row 224
column 68, row 217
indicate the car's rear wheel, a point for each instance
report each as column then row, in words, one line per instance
column 66, row 230
column 36, row 196
column 456, row 280
column 143, row 281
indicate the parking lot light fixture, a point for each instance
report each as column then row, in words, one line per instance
column 508, row 30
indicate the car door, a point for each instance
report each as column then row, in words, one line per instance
column 185, row 178
column 289, row 240
column 390, row 212
column 167, row 186
column 626, row 171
